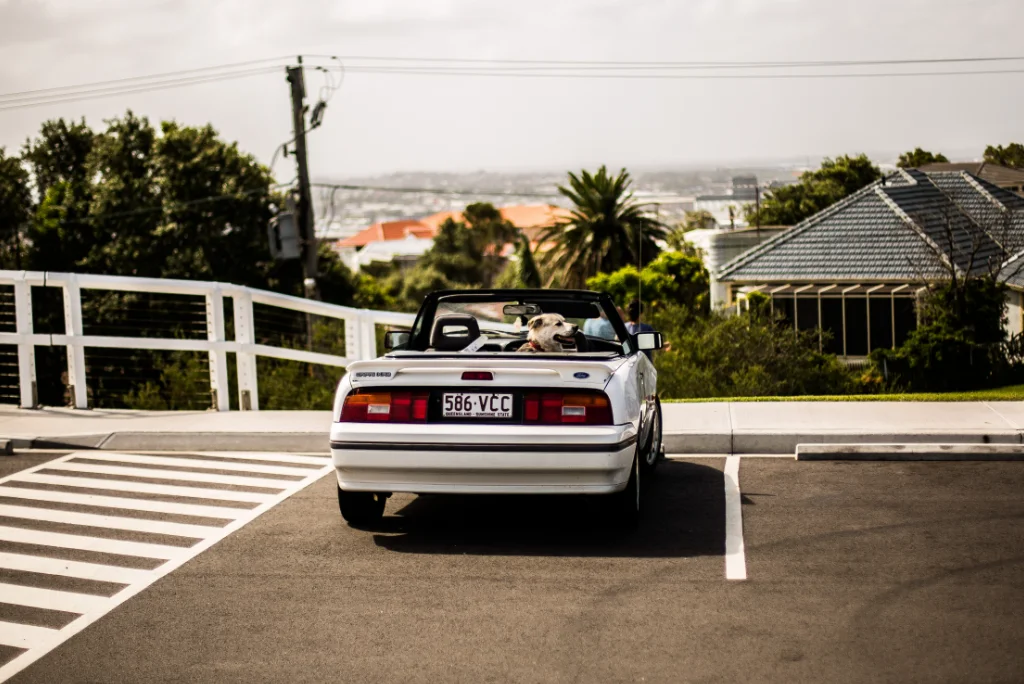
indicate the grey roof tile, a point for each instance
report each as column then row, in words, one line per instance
column 867, row 236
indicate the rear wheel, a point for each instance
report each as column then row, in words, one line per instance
column 655, row 449
column 361, row 509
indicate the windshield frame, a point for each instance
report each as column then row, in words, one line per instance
column 420, row 336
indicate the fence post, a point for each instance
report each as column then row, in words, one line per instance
column 218, row 357
column 26, row 349
column 76, row 352
column 368, row 343
column 248, row 394
column 353, row 337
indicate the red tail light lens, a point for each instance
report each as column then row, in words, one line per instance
column 557, row 408
column 385, row 407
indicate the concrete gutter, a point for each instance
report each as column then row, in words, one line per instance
column 910, row 452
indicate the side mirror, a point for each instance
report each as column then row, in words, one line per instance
column 394, row 339
column 649, row 341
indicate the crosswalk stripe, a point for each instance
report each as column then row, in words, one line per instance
column 319, row 461
column 146, row 488
column 67, row 568
column 120, row 502
column 26, row 636
column 109, row 521
column 174, row 475
column 82, row 543
column 196, row 463
column 50, row 599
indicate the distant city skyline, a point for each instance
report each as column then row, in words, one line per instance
column 408, row 120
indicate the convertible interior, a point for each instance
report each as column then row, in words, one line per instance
column 455, row 332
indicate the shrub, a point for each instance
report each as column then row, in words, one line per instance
column 744, row 355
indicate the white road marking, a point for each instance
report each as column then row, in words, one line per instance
column 109, row 521
column 146, row 488
column 40, row 640
column 27, row 636
column 184, row 475
column 735, row 557
column 34, row 597
column 67, row 568
column 203, row 465
column 121, row 502
column 81, row 542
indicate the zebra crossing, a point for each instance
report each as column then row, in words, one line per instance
column 83, row 533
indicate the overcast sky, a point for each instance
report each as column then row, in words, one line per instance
column 380, row 123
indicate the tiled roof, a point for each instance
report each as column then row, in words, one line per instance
column 993, row 173
column 532, row 219
column 889, row 230
column 386, row 230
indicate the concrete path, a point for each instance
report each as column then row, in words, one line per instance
column 709, row 428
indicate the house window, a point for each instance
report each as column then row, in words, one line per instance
column 881, row 322
column 856, row 326
column 832, row 325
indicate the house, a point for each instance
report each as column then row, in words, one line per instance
column 1001, row 176
column 856, row 269
column 408, row 239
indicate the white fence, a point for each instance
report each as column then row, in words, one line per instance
column 360, row 331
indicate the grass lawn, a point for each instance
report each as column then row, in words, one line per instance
column 1011, row 393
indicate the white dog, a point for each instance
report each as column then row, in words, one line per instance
column 550, row 333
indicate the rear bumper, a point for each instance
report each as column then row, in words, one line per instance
column 477, row 459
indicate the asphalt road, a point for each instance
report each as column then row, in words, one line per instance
column 857, row 572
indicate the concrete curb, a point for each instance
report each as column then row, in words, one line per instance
column 183, row 441
column 777, row 442
column 910, row 452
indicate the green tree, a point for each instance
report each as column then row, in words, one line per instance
column 607, row 229
column 15, row 209
column 1012, row 155
column 673, row 279
column 522, row 270
column 918, row 158
column 816, row 190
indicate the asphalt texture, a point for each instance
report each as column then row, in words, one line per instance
column 858, row 572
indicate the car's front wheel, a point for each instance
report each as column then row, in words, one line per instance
column 361, row 509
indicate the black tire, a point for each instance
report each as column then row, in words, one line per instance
column 627, row 505
column 361, row 509
column 654, row 451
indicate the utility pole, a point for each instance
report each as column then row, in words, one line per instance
column 305, row 203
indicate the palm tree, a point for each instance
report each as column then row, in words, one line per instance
column 606, row 230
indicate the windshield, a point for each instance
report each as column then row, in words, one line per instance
column 503, row 320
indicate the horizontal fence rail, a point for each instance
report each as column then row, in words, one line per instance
column 359, row 326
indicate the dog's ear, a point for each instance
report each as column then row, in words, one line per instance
column 535, row 322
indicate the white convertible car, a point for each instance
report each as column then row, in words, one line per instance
column 453, row 406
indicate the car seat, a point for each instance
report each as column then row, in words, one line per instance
column 453, row 332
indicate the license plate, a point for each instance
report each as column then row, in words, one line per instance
column 477, row 405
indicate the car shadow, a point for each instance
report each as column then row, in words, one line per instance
column 684, row 516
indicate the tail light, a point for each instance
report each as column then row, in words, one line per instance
column 385, row 407
column 558, row 408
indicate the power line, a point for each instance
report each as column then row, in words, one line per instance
column 126, row 90
column 166, row 74
column 526, row 65
column 760, row 64
column 172, row 206
column 429, row 71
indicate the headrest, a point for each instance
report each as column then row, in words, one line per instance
column 453, row 332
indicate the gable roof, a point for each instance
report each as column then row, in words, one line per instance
column 992, row 173
column 892, row 230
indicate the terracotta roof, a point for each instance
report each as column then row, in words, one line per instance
column 532, row 219
column 386, row 230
